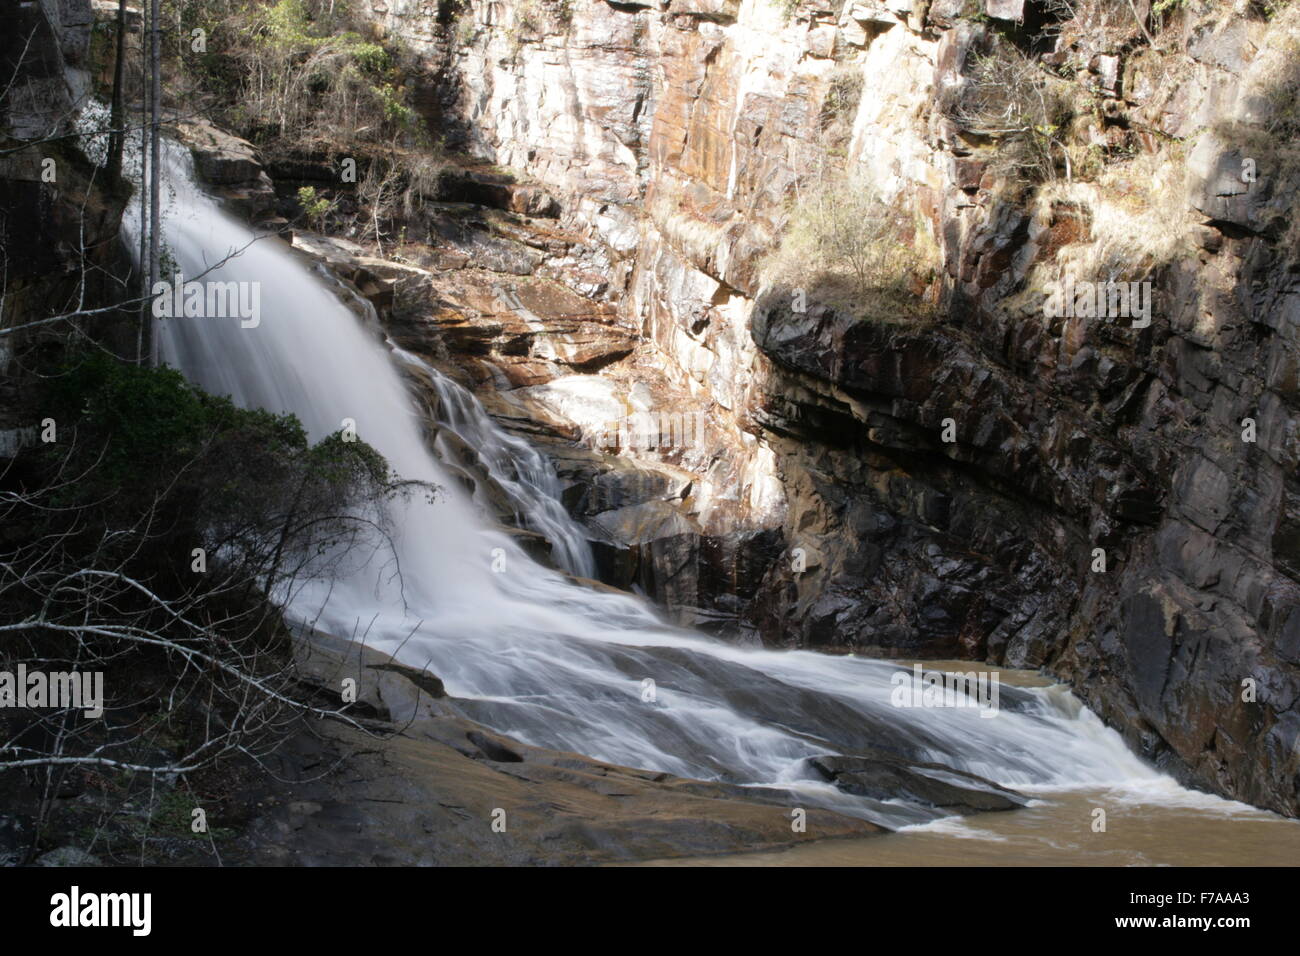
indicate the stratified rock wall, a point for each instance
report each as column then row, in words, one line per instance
column 1105, row 508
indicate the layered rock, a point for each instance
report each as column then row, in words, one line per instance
column 671, row 135
column 231, row 170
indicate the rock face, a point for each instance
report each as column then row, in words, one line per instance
column 231, row 169
column 884, row 778
column 1114, row 500
column 58, row 216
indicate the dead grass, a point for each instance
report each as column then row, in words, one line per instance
column 1021, row 110
column 846, row 247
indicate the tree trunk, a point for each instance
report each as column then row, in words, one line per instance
column 142, row 259
column 117, row 138
column 155, row 168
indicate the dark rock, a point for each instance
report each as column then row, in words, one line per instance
column 882, row 777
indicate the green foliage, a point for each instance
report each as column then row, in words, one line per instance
column 144, row 440
column 149, row 540
column 174, row 817
column 285, row 24
column 300, row 71
column 370, row 57
column 395, row 109
column 1270, row 9
column 314, row 207
column 145, row 421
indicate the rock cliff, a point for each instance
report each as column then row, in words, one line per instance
column 1113, row 499
column 59, row 215
column 1111, row 496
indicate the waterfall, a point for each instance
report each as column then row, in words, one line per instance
column 513, row 465
column 525, row 649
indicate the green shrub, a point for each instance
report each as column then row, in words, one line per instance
column 144, row 441
column 314, row 207
column 148, row 542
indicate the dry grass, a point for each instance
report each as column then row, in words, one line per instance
column 1022, row 110
column 299, row 73
column 1137, row 215
column 845, row 246
column 840, row 107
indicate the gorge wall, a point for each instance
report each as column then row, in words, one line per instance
column 822, row 507
column 610, row 262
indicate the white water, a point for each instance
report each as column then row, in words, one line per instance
column 513, row 465
column 528, row 651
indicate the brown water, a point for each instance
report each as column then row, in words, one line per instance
column 1152, row 823
column 1057, row 831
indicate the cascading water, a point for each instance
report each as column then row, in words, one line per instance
column 513, row 466
column 525, row 649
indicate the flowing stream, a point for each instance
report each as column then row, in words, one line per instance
column 527, row 650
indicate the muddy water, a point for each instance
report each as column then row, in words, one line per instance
column 1150, row 829
column 1154, row 823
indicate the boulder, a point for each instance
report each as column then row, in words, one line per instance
column 230, row 166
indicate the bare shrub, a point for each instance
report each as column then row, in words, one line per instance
column 841, row 239
column 1024, row 110
column 150, row 544
column 840, row 106
column 301, row 72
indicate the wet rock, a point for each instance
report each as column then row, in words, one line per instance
column 229, row 165
column 884, row 778
column 428, row 796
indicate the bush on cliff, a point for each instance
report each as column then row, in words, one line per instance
column 1022, row 109
column 299, row 73
column 844, row 244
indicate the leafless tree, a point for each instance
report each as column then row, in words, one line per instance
column 196, row 663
